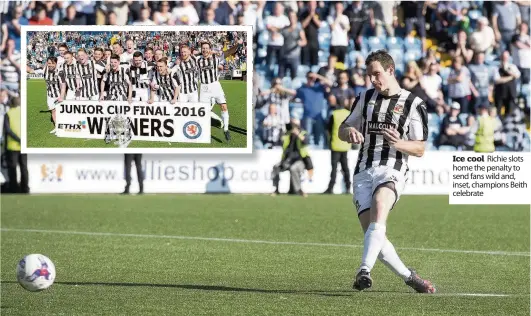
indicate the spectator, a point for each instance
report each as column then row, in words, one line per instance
column 279, row 96
column 521, row 52
column 383, row 16
column 14, row 157
column 310, row 23
column 460, row 84
column 525, row 7
column 164, row 16
column 339, row 27
column 185, row 14
column 413, row 81
column 414, row 12
column 223, row 11
column 358, row 14
column 295, row 151
column 514, row 128
column 431, row 83
column 470, row 136
column 453, row 133
column 13, row 26
column 483, row 39
column 343, row 95
column 252, row 13
column 294, row 39
column 330, row 71
column 358, row 78
column 72, row 17
column 484, row 130
column 505, row 20
column 210, row 17
column 482, row 80
column 275, row 24
column 339, row 149
column 499, row 135
column 144, row 17
column 505, row 79
column 312, row 95
column 273, row 128
column 10, row 70
column 40, row 18
column 128, row 160
column 461, row 48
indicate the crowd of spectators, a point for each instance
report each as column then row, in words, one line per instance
column 469, row 53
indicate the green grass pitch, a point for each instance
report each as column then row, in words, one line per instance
column 259, row 255
column 39, row 125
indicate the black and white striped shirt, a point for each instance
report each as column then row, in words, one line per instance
column 371, row 112
column 100, row 68
column 89, row 80
column 118, row 83
column 53, row 81
column 140, row 76
column 188, row 71
column 208, row 69
column 69, row 75
column 167, row 84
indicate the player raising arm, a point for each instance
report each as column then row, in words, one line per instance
column 209, row 67
column 52, row 77
column 390, row 123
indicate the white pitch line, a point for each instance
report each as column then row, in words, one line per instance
column 270, row 242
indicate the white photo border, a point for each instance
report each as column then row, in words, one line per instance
column 139, row 28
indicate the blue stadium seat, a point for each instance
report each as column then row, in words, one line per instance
column 412, row 43
column 397, row 54
column 298, row 82
column 412, row 55
column 394, row 43
column 462, row 117
column 315, row 68
column 375, row 43
column 352, row 56
column 302, row 70
column 287, row 82
column 445, row 73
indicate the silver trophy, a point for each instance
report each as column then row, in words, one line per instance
column 119, row 129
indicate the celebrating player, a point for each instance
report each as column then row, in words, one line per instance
column 390, row 123
column 118, row 77
column 209, row 67
column 165, row 83
column 68, row 72
column 187, row 70
column 86, row 76
column 140, row 76
column 53, row 85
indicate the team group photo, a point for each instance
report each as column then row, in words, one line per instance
column 250, row 157
column 99, row 81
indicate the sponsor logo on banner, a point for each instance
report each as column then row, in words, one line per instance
column 73, row 127
column 217, row 174
column 51, row 173
column 192, row 130
column 161, row 121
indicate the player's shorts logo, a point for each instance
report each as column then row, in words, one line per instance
column 192, row 130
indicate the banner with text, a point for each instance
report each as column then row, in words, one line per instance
column 213, row 174
column 160, row 121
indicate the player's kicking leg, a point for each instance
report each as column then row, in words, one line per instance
column 373, row 218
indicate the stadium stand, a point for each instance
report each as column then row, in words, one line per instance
column 372, row 25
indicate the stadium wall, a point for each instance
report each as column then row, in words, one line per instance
column 211, row 174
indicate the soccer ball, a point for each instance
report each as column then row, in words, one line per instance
column 35, row 272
